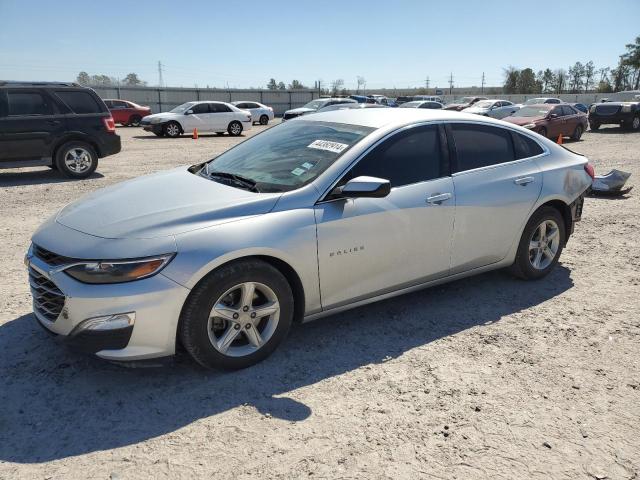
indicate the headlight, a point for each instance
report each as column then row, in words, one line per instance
column 530, row 125
column 626, row 108
column 119, row 271
column 592, row 109
column 156, row 120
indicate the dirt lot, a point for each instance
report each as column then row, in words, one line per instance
column 488, row 377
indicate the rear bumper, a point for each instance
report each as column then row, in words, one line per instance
column 110, row 144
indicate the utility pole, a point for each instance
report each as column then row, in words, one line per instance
column 426, row 83
column 482, row 88
column 160, row 81
column 451, row 84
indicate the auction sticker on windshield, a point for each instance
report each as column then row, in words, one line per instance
column 334, row 147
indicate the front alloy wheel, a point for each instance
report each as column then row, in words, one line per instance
column 237, row 315
column 235, row 128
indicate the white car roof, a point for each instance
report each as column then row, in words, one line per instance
column 387, row 117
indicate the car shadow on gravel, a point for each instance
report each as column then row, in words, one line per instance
column 56, row 404
column 38, row 177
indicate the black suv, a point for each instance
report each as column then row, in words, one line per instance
column 626, row 114
column 61, row 125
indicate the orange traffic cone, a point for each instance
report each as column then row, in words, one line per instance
column 559, row 140
column 195, row 134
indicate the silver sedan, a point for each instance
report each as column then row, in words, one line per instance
column 309, row 218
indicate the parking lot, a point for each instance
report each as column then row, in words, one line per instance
column 484, row 377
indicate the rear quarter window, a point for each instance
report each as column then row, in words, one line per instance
column 79, row 102
column 27, row 103
column 525, row 147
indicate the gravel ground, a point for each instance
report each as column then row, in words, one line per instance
column 488, row 377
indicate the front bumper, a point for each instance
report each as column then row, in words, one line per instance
column 616, row 118
column 156, row 302
column 151, row 127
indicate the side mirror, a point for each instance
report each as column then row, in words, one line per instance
column 366, row 187
column 553, row 115
column 189, row 112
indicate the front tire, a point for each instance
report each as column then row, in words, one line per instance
column 540, row 245
column 235, row 128
column 264, row 120
column 76, row 159
column 237, row 315
column 634, row 124
column 172, row 130
column 134, row 121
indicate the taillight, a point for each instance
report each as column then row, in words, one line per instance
column 109, row 124
column 590, row 171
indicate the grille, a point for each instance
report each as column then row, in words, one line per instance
column 48, row 300
column 607, row 109
column 49, row 257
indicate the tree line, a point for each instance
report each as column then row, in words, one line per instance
column 131, row 80
column 579, row 78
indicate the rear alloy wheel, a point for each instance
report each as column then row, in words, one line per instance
column 237, row 315
column 577, row 133
column 134, row 121
column 540, row 245
column 264, row 120
column 172, row 130
column 634, row 124
column 594, row 125
column 235, row 128
column 76, row 159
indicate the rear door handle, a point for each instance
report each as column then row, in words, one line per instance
column 524, row 181
column 438, row 198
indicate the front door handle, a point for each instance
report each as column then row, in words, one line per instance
column 524, row 181
column 438, row 198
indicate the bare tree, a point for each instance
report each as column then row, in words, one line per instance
column 336, row 85
column 361, row 83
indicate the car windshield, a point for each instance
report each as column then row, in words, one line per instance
column 484, row 104
column 183, row 108
column 538, row 111
column 315, row 104
column 534, row 101
column 287, row 156
column 410, row 104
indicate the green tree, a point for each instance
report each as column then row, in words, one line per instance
column 132, row 79
column 632, row 60
column 83, row 78
column 559, row 83
column 282, row 86
column 272, row 85
column 511, row 75
column 576, row 75
column 589, row 74
column 526, row 81
column 296, row 85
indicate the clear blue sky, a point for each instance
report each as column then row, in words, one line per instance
column 243, row 43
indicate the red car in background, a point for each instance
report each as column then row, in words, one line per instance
column 127, row 113
column 551, row 120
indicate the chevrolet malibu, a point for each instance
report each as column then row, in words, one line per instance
column 297, row 223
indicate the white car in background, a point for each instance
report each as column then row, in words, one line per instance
column 493, row 108
column 259, row 113
column 206, row 116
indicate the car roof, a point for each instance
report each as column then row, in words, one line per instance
column 389, row 117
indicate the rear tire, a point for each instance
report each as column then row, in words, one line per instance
column 594, row 126
column 577, row 133
column 235, row 128
column 543, row 132
column 159, row 134
column 264, row 120
column 202, row 333
column 538, row 253
column 76, row 159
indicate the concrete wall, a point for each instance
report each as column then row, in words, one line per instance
column 164, row 99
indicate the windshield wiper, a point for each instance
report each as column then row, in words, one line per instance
column 237, row 179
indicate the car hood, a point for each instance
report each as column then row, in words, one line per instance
column 475, row 110
column 522, row 120
column 162, row 116
column 162, row 204
column 300, row 111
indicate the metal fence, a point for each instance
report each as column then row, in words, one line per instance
column 164, row 99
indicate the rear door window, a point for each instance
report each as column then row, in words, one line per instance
column 480, row 146
column 27, row 103
column 79, row 102
column 525, row 147
column 412, row 156
column 219, row 108
column 567, row 110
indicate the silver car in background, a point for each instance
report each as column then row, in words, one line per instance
column 493, row 108
column 309, row 218
column 259, row 113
